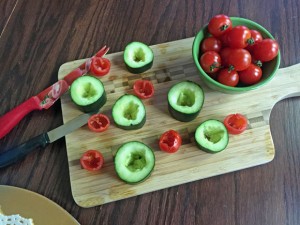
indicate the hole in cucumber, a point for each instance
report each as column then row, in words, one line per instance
column 186, row 98
column 130, row 111
column 139, row 55
column 213, row 134
column 137, row 161
column 89, row 91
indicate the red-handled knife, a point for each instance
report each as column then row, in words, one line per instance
column 46, row 98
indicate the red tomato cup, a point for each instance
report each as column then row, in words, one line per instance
column 98, row 123
column 170, row 141
column 235, row 123
column 92, row 160
column 143, row 89
column 100, row 66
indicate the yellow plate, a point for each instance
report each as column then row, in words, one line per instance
column 28, row 204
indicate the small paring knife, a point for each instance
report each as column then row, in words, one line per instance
column 19, row 152
column 46, row 98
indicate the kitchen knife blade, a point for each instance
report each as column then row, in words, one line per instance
column 46, row 98
column 15, row 154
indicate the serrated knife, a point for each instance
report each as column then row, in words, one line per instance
column 17, row 153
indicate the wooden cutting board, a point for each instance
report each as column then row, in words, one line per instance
column 173, row 63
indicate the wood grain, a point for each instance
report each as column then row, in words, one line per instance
column 173, row 63
column 43, row 35
column 6, row 11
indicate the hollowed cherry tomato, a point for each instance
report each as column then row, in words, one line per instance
column 100, row 66
column 98, row 122
column 92, row 160
column 219, row 24
column 239, row 37
column 251, row 75
column 170, row 141
column 235, row 123
column 228, row 77
column 265, row 50
column 210, row 61
column 143, row 89
column 211, row 44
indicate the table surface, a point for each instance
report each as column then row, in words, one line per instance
column 37, row 37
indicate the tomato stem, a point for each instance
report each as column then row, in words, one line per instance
column 230, row 68
column 224, row 27
column 258, row 63
column 250, row 41
column 214, row 66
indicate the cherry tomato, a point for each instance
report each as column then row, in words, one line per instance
column 235, row 123
column 238, row 58
column 225, row 53
column 211, row 44
column 224, row 40
column 228, row 77
column 238, row 37
column 255, row 38
column 98, row 122
column 265, row 50
column 92, row 160
column 251, row 75
column 170, row 141
column 100, row 66
column 143, row 89
column 210, row 61
column 219, row 24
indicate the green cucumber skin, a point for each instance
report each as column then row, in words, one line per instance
column 146, row 177
column 185, row 117
column 140, row 181
column 208, row 150
column 131, row 127
column 94, row 106
column 144, row 66
column 140, row 69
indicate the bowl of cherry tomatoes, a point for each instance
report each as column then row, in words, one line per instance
column 235, row 55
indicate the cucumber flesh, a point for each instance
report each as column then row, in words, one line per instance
column 185, row 100
column 88, row 93
column 212, row 136
column 138, row 57
column 129, row 112
column 134, row 162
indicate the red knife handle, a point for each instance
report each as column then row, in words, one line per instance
column 13, row 117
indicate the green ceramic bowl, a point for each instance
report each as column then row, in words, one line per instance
column 269, row 68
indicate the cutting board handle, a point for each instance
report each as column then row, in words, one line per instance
column 286, row 83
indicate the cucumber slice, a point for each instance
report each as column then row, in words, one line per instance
column 212, row 136
column 185, row 100
column 134, row 162
column 129, row 112
column 88, row 93
column 138, row 57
